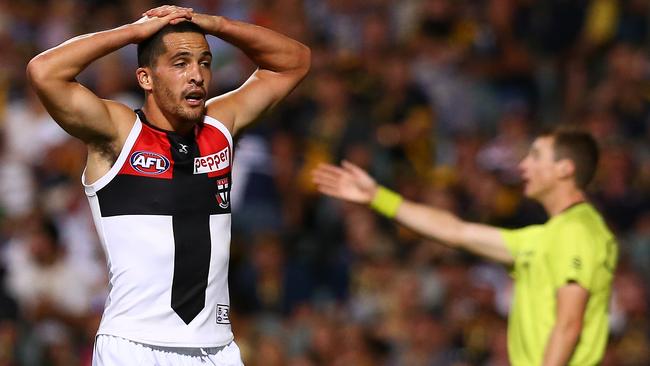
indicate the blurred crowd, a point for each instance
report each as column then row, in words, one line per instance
column 438, row 99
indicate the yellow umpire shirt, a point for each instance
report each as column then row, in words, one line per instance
column 574, row 246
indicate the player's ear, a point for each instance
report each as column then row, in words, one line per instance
column 566, row 168
column 143, row 74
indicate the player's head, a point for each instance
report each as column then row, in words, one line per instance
column 562, row 157
column 174, row 69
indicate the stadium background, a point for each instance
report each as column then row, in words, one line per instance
column 437, row 98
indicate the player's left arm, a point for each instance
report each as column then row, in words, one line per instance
column 282, row 63
column 571, row 304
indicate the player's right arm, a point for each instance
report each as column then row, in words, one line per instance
column 75, row 108
column 351, row 183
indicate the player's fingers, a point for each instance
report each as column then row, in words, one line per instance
column 165, row 10
column 333, row 192
column 179, row 20
column 156, row 11
column 353, row 169
column 325, row 179
column 324, row 173
column 178, row 16
column 330, row 169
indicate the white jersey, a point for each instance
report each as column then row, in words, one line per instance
column 162, row 213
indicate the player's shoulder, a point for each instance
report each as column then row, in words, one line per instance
column 119, row 112
column 584, row 225
column 219, row 109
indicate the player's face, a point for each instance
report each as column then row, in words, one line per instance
column 540, row 170
column 182, row 75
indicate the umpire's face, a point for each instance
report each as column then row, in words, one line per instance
column 181, row 76
column 541, row 172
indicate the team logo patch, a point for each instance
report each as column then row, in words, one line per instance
column 223, row 192
column 211, row 163
column 147, row 162
column 223, row 314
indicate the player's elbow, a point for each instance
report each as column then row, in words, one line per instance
column 303, row 60
column 37, row 71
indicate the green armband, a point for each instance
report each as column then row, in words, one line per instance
column 386, row 202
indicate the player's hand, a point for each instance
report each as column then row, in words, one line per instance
column 165, row 10
column 153, row 20
column 209, row 23
column 347, row 182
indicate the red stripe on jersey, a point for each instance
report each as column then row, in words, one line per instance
column 216, row 154
column 150, row 156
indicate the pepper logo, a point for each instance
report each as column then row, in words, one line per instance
column 147, row 162
column 211, row 163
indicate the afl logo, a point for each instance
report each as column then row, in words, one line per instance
column 149, row 163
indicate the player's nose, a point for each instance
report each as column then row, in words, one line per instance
column 195, row 75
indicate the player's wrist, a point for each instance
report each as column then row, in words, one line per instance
column 386, row 202
column 211, row 24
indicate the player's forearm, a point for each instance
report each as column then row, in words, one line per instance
column 561, row 344
column 267, row 49
column 479, row 239
column 66, row 61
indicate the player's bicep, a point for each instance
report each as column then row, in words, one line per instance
column 78, row 110
column 261, row 92
column 486, row 241
column 571, row 303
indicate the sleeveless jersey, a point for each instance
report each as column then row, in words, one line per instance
column 162, row 213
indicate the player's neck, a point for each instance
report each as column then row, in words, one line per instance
column 164, row 121
column 561, row 199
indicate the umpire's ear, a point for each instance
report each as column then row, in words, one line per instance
column 567, row 168
column 144, row 78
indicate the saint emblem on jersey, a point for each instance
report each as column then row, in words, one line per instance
column 147, row 162
column 223, row 192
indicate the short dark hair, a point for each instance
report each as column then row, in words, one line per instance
column 579, row 147
column 152, row 47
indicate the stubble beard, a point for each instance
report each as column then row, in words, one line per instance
column 170, row 103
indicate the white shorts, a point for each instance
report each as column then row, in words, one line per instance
column 115, row 351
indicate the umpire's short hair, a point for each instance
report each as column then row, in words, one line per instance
column 152, row 47
column 579, row 147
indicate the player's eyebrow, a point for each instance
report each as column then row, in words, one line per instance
column 181, row 54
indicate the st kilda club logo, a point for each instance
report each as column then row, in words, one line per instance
column 147, row 162
column 223, row 192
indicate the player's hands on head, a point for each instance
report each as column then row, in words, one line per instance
column 347, row 182
column 154, row 19
column 182, row 14
column 167, row 10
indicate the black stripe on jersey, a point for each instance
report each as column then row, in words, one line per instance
column 191, row 231
column 137, row 195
